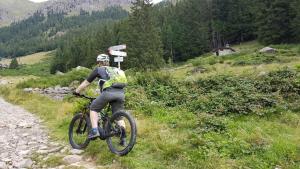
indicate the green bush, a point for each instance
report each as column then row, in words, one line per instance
column 53, row 80
column 14, row 64
column 282, row 81
column 162, row 88
column 255, row 59
column 223, row 95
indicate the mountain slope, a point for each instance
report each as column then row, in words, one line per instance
column 14, row 10
column 74, row 6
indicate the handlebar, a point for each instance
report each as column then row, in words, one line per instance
column 84, row 96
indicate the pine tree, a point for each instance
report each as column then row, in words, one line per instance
column 142, row 38
column 296, row 21
column 191, row 29
column 14, row 64
column 275, row 22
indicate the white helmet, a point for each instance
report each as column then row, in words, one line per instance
column 102, row 58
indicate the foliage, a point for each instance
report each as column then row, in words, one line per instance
column 170, row 134
column 53, row 80
column 142, row 38
column 217, row 121
column 275, row 20
column 14, row 64
column 223, row 95
column 37, row 69
column 182, row 31
column 43, row 33
column 248, row 55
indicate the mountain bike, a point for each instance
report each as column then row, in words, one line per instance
column 109, row 129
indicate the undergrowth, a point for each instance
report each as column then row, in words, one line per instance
column 38, row 69
column 53, row 80
column 219, row 121
column 222, row 95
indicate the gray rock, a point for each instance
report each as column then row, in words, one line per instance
column 57, row 87
column 76, row 152
column 42, row 151
column 43, row 147
column 80, row 68
column 26, row 163
column 61, row 166
column 28, row 90
column 70, row 159
column 3, row 165
column 25, row 124
column 59, row 73
column 64, row 150
column 54, row 150
column 6, row 160
column 24, row 152
column 262, row 73
column 65, row 88
column 267, row 50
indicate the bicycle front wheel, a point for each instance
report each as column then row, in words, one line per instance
column 78, row 131
column 122, row 135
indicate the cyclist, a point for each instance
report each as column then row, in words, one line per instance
column 112, row 83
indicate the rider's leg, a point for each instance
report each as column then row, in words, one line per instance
column 118, row 105
column 94, row 119
column 97, row 105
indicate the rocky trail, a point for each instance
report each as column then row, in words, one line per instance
column 25, row 143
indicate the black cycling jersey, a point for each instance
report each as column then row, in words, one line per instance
column 101, row 73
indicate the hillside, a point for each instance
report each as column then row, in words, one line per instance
column 74, row 6
column 42, row 32
column 29, row 59
column 236, row 111
column 16, row 10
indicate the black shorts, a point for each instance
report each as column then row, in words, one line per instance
column 114, row 96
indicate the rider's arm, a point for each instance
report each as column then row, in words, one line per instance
column 87, row 82
column 82, row 86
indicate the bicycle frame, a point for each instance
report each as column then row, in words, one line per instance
column 103, row 119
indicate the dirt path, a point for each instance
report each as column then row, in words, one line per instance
column 25, row 144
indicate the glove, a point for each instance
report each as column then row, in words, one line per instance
column 75, row 93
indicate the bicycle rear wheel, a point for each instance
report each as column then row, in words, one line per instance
column 117, row 132
column 78, row 131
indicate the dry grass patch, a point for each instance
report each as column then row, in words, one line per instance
column 30, row 59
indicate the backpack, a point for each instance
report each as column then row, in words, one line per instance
column 117, row 78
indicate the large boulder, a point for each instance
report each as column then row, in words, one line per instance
column 59, row 73
column 267, row 50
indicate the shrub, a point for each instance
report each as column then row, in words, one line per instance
column 223, row 95
column 62, row 80
column 14, row 64
column 162, row 88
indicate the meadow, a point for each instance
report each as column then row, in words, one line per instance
column 236, row 111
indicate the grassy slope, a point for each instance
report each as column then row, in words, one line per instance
column 36, row 64
column 176, row 137
column 30, row 59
